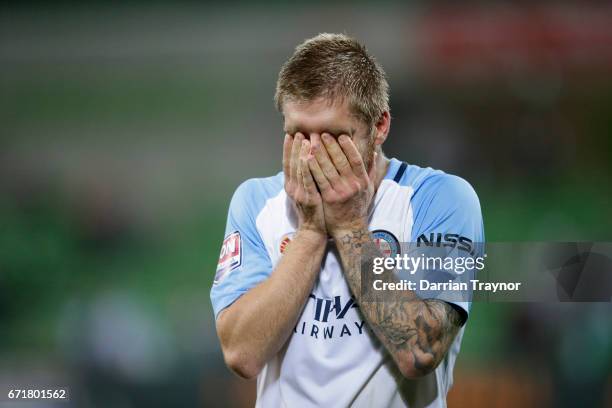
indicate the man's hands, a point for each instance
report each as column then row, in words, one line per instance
column 346, row 188
column 300, row 185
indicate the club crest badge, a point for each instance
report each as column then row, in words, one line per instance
column 386, row 242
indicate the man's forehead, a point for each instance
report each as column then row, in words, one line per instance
column 319, row 116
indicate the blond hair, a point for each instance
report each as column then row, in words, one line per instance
column 336, row 67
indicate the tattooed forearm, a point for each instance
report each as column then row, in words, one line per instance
column 417, row 333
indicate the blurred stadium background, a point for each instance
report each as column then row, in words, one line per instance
column 125, row 130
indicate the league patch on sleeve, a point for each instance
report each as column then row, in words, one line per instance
column 230, row 257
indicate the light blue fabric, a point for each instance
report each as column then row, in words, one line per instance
column 445, row 209
column 248, row 201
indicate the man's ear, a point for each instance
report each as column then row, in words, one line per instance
column 381, row 128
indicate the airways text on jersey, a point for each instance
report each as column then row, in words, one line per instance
column 330, row 319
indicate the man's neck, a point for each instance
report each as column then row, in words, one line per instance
column 382, row 166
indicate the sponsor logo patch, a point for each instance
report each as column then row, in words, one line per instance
column 387, row 243
column 446, row 240
column 230, row 257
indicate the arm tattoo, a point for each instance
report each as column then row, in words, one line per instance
column 412, row 329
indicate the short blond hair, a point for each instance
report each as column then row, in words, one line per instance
column 336, row 67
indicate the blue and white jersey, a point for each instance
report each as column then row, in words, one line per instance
column 332, row 359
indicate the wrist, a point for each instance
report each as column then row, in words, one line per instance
column 312, row 235
column 349, row 228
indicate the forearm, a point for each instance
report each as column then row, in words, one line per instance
column 417, row 333
column 255, row 327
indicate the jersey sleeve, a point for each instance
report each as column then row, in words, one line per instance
column 243, row 261
column 448, row 216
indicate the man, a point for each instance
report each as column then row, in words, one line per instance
column 287, row 298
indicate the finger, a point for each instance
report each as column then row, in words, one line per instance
column 325, row 164
column 353, row 156
column 287, row 146
column 337, row 155
column 307, row 180
column 304, row 153
column 318, row 175
column 298, row 169
column 295, row 154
